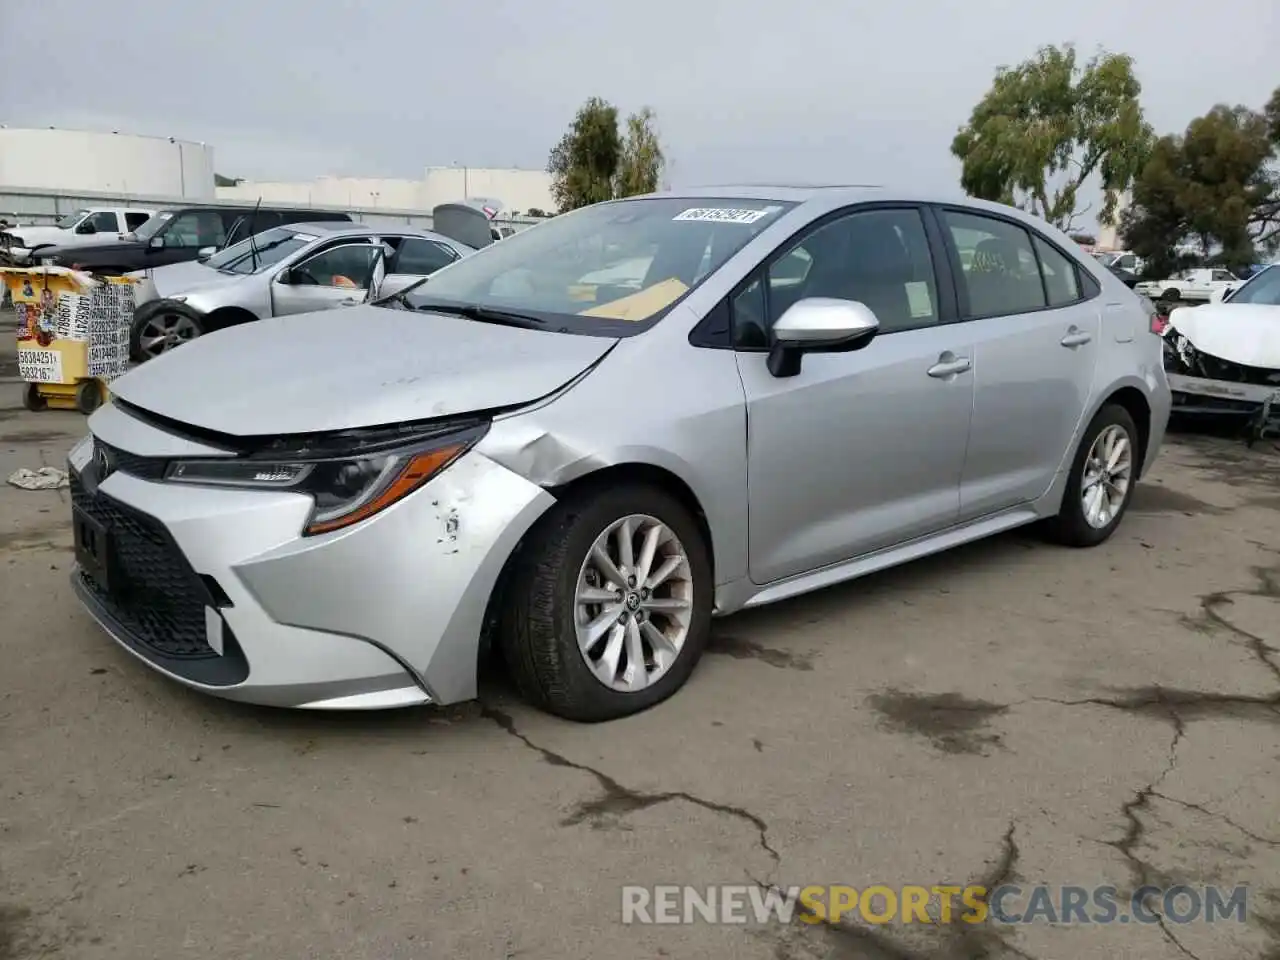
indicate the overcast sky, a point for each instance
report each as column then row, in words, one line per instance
column 830, row 90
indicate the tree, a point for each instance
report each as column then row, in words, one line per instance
column 594, row 162
column 1216, row 185
column 642, row 161
column 536, row 212
column 1048, row 125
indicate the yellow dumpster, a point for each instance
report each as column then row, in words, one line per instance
column 73, row 334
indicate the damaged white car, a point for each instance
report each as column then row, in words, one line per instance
column 1224, row 358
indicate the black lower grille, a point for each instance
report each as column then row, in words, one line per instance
column 154, row 592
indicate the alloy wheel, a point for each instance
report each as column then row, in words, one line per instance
column 1107, row 474
column 633, row 603
column 165, row 331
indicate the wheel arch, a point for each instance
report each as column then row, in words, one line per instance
column 224, row 317
column 659, row 477
column 1135, row 402
column 647, row 473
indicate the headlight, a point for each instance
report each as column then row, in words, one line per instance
column 346, row 488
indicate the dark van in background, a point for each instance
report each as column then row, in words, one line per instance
column 180, row 234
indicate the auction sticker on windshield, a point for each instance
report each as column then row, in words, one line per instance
column 725, row 214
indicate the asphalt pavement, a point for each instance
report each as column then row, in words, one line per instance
column 1010, row 712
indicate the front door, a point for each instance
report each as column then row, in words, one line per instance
column 1036, row 338
column 187, row 234
column 862, row 450
column 337, row 276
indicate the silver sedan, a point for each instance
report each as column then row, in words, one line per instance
column 298, row 268
column 584, row 442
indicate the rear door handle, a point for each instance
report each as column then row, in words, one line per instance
column 1075, row 338
column 949, row 368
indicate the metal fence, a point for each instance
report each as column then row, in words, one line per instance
column 36, row 206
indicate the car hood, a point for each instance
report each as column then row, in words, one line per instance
column 178, row 279
column 1244, row 333
column 360, row 367
column 98, row 248
column 30, row 236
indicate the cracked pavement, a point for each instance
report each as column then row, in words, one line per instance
column 1009, row 712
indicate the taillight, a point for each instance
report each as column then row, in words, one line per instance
column 1159, row 324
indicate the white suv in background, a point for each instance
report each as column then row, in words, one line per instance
column 20, row 244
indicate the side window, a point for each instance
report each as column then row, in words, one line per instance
column 1127, row 262
column 134, row 220
column 749, row 312
column 195, row 228
column 878, row 257
column 1222, row 275
column 420, row 257
column 349, row 266
column 104, row 221
column 998, row 267
column 1060, row 277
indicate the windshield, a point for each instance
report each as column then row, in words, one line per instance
column 68, row 220
column 629, row 261
column 153, row 226
column 271, row 247
column 1263, row 289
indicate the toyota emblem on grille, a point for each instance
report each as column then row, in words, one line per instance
column 101, row 462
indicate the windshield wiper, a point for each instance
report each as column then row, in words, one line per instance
column 473, row 311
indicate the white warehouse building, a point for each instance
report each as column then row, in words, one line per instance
column 110, row 163
column 518, row 191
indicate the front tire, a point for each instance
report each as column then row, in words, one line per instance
column 610, row 604
column 1101, row 481
column 166, row 326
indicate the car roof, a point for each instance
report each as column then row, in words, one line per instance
column 834, row 194
column 343, row 228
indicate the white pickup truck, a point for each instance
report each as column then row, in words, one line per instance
column 20, row 244
column 1197, row 285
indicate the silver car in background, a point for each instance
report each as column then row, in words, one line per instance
column 299, row 268
column 582, row 443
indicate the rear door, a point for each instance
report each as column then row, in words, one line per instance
column 1036, row 328
column 413, row 259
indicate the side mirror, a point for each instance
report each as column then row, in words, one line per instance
column 204, row 253
column 86, row 227
column 819, row 325
column 155, row 243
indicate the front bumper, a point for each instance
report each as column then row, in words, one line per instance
column 216, row 588
column 15, row 256
column 1257, row 404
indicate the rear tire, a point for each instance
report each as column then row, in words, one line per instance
column 1173, row 294
column 549, row 605
column 1077, row 525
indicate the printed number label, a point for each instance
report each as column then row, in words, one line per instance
column 725, row 215
column 40, row 366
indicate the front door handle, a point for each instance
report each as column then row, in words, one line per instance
column 948, row 366
column 1076, row 338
